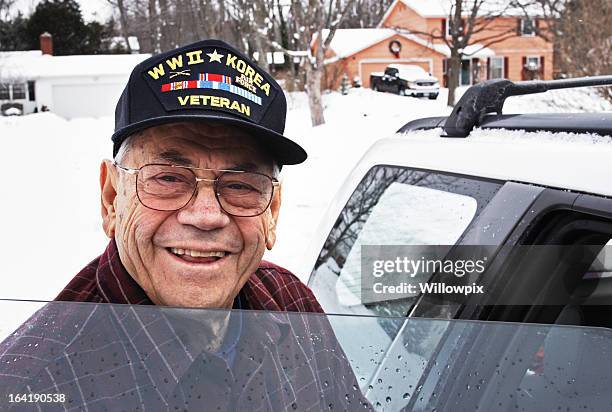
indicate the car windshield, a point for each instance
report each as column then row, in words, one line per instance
column 84, row 355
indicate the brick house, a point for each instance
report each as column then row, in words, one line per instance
column 401, row 37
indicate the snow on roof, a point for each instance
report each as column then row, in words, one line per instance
column 120, row 41
column 20, row 53
column 473, row 50
column 276, row 57
column 442, row 8
column 347, row 42
column 36, row 66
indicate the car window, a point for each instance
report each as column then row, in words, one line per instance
column 601, row 268
column 393, row 206
column 69, row 355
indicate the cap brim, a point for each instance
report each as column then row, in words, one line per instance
column 283, row 150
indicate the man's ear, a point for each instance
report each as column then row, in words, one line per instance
column 108, row 188
column 274, row 209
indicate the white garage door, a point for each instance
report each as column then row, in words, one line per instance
column 86, row 100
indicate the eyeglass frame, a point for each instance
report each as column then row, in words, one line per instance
column 132, row 171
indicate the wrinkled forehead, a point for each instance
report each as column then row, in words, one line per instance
column 198, row 144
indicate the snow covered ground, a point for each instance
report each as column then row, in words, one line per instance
column 50, row 204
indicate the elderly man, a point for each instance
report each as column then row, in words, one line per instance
column 192, row 197
column 190, row 202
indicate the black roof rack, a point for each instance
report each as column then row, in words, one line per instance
column 598, row 123
column 489, row 97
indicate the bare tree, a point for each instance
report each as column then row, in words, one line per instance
column 313, row 24
column 5, row 9
column 582, row 34
column 365, row 13
column 473, row 23
column 120, row 6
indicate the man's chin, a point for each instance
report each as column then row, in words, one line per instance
column 194, row 284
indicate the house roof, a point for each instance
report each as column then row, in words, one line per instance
column 347, row 42
column 442, row 8
column 34, row 65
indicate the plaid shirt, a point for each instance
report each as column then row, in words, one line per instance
column 139, row 357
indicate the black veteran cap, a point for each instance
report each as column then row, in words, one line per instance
column 207, row 80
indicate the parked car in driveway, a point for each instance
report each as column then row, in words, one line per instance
column 406, row 79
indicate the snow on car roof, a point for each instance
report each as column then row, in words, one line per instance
column 410, row 70
column 580, row 162
column 407, row 67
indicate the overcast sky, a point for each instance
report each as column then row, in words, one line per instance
column 92, row 9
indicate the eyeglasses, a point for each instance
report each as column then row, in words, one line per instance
column 167, row 187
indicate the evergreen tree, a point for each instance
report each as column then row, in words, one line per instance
column 13, row 33
column 63, row 19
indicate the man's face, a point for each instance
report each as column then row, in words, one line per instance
column 145, row 238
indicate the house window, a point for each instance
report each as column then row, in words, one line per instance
column 19, row 91
column 447, row 27
column 4, row 92
column 532, row 63
column 528, row 27
column 496, row 68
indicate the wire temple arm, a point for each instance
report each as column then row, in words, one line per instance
column 489, row 97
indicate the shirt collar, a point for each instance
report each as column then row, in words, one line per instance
column 115, row 283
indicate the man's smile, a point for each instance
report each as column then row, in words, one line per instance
column 198, row 256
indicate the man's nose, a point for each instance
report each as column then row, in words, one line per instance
column 203, row 210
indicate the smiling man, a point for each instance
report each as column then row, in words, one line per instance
column 191, row 199
column 190, row 202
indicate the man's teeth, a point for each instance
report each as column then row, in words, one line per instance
column 196, row 253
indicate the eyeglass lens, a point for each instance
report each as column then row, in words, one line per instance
column 163, row 187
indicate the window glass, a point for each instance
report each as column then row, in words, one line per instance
column 533, row 62
column 118, row 357
column 393, row 206
column 496, row 70
column 4, row 91
column 391, row 71
column 528, row 27
column 602, row 265
column 19, row 91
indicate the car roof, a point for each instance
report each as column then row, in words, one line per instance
column 578, row 162
column 408, row 68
